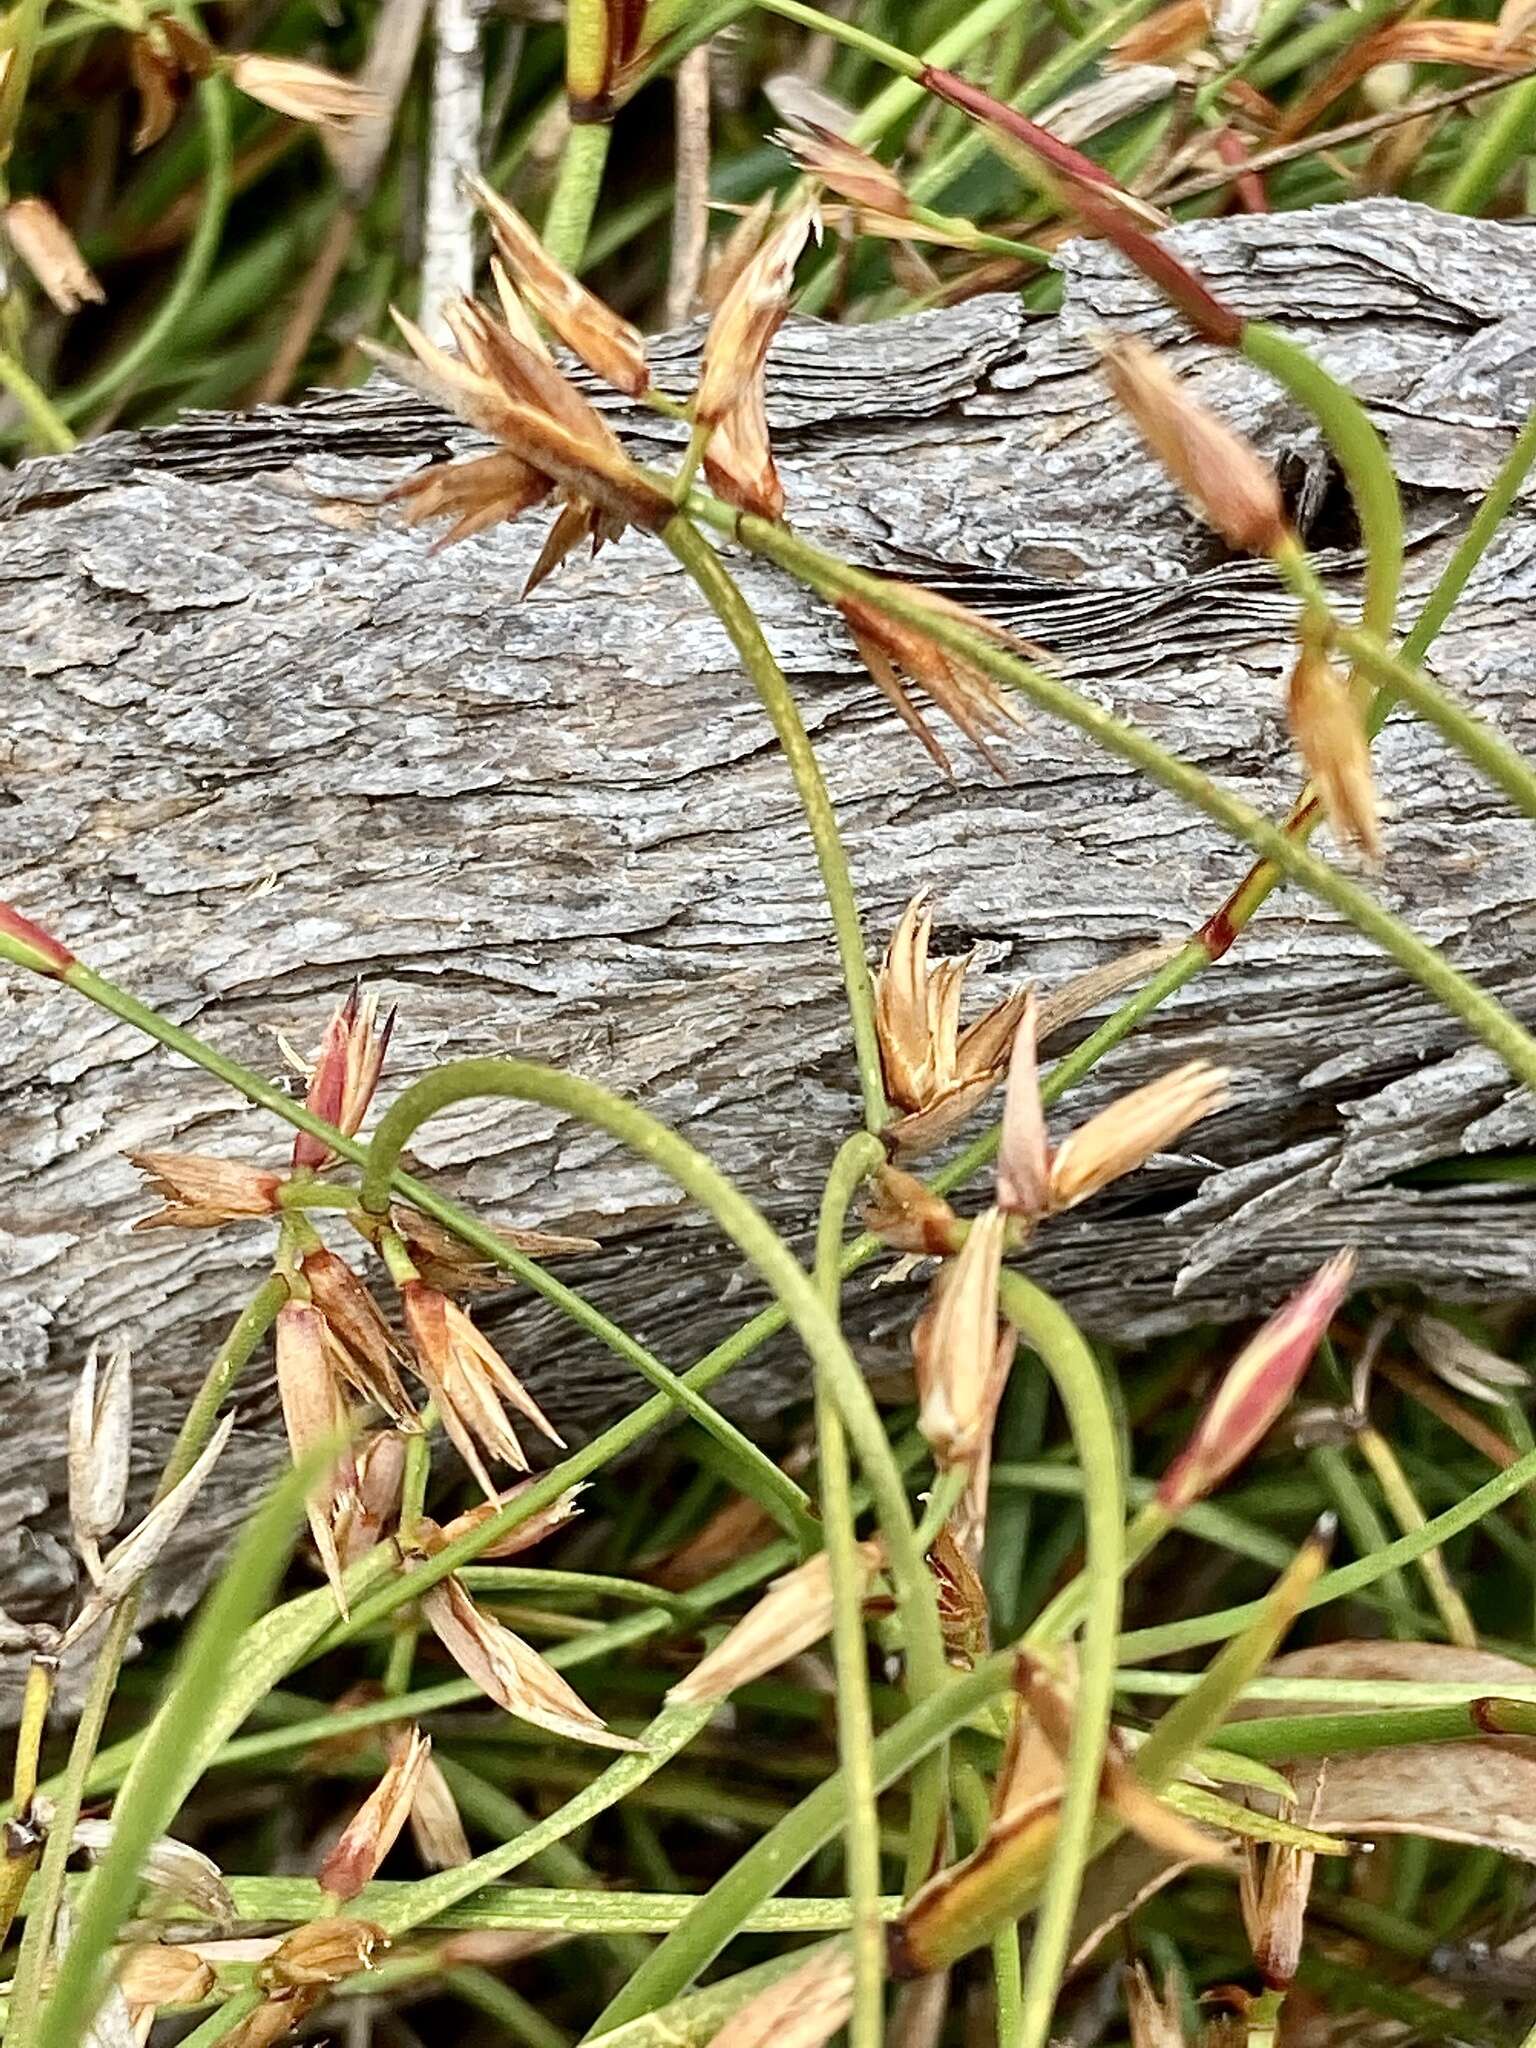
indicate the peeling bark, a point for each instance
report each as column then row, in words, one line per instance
column 260, row 741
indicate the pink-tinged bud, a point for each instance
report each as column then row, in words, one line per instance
column 1257, row 1386
column 27, row 945
column 1024, row 1152
column 346, row 1072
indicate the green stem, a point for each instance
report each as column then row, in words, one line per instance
column 577, row 185
column 51, row 431
column 248, row 1330
column 1288, row 1739
column 1168, row 1639
column 755, row 1470
column 25, row 2014
column 1048, row 1330
column 856, row 1159
column 846, row 32
column 1361, row 455
column 1454, row 577
column 1499, row 141
column 1482, row 1013
column 213, row 102
column 755, row 1237
column 773, row 1859
column 26, row 29
column 246, row 1333
column 1472, row 736
column 757, row 657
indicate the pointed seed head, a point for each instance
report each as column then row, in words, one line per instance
column 1125, row 1136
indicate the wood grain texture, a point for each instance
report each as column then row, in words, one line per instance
column 259, row 740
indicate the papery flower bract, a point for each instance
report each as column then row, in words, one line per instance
column 200, row 1191
column 794, row 1613
column 314, row 1413
column 959, row 1353
column 1458, row 1359
column 468, row 1379
column 1331, row 738
column 305, row 92
column 748, row 317
column 609, row 346
column 532, row 1529
column 100, row 1440
column 322, row 1952
column 345, row 1074
column 446, row 1262
column 156, row 1974
column 1023, row 1176
column 436, row 1829
column 1169, row 32
column 510, row 1671
column 1126, row 1134
column 908, row 1215
column 1224, row 477
column 170, row 1867
column 962, row 1598
column 1155, row 2022
column 738, row 460
column 894, row 652
column 376, row 1826
column 126, row 1564
column 366, row 1507
column 1256, row 1387
column 935, row 1073
column 1274, row 1885
column 48, row 249
column 163, row 58
column 361, row 1346
column 803, row 2010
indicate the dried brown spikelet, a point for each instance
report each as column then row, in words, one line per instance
column 897, row 653
column 960, row 1354
column 908, row 1215
column 159, row 1974
column 609, row 346
column 1165, row 35
column 794, row 1613
column 200, row 1191
column 868, row 185
column 361, row 1346
column 345, row 1074
column 445, row 1261
column 315, row 1413
column 322, row 1953
column 731, row 256
column 100, row 1441
column 1223, row 476
column 305, row 92
column 510, row 1671
column 469, row 1380
column 48, row 249
column 376, row 1826
column 935, row 1073
column 748, row 317
column 803, row 2010
column 1124, row 1136
column 1331, row 738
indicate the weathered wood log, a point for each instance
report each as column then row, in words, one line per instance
column 260, row 741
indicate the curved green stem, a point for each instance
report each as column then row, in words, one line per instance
column 756, row 1472
column 757, row 657
column 1360, row 453
column 577, row 185
column 1048, row 1330
column 856, row 1160
column 1482, row 1013
column 1474, row 543
column 752, row 1234
column 213, row 101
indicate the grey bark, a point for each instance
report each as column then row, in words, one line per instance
column 260, row 740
